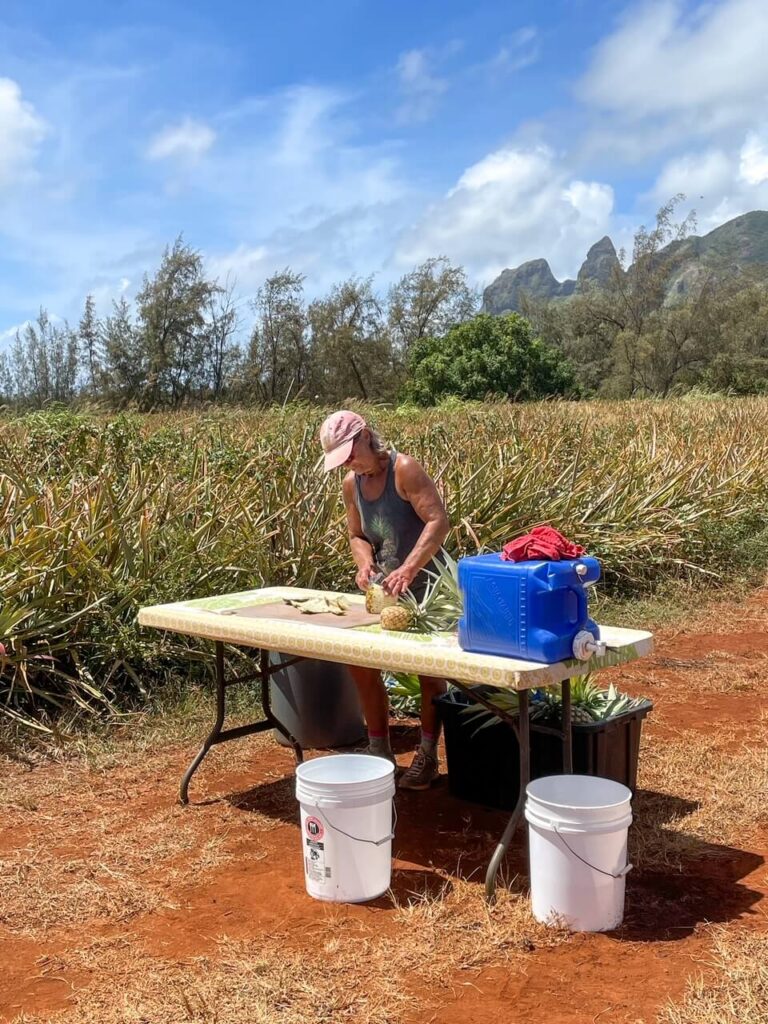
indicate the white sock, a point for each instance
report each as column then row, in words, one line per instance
column 379, row 745
column 429, row 744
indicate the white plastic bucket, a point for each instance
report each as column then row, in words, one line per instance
column 577, row 841
column 346, row 826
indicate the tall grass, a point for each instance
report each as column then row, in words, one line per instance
column 100, row 516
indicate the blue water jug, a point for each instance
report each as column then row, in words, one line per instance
column 529, row 610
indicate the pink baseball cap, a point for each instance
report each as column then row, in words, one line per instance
column 337, row 435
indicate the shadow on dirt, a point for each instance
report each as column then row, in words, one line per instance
column 678, row 883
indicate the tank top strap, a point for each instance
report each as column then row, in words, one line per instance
column 390, row 489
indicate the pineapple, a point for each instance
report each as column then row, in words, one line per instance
column 587, row 700
column 377, row 599
column 437, row 612
column 589, row 703
column 580, row 716
column 397, row 618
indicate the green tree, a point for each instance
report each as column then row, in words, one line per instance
column 487, row 356
column 125, row 356
column 739, row 362
column 91, row 347
column 428, row 301
column 221, row 355
column 43, row 363
column 172, row 322
column 277, row 361
column 350, row 345
column 628, row 314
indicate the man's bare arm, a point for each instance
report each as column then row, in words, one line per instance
column 414, row 485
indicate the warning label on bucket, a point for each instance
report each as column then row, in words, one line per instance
column 314, row 828
column 314, row 861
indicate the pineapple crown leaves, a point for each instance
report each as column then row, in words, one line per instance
column 441, row 607
column 546, row 703
column 506, row 701
column 404, row 691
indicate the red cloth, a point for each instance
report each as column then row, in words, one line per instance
column 542, row 542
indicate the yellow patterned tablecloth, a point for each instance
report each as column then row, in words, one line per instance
column 373, row 647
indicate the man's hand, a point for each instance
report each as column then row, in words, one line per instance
column 363, row 578
column 399, row 580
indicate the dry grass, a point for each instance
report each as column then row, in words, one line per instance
column 733, row 989
column 694, row 791
column 121, row 848
column 745, row 611
column 719, row 672
column 345, row 972
column 72, row 865
column 245, row 982
column 457, row 928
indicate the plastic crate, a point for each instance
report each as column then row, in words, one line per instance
column 484, row 764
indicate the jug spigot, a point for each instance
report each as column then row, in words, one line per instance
column 582, row 570
column 585, row 645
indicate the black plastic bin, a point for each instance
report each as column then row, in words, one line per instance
column 484, row 764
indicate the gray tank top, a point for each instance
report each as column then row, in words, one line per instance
column 392, row 526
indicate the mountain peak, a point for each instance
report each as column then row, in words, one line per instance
column 599, row 265
column 724, row 251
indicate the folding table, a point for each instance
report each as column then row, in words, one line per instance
column 244, row 619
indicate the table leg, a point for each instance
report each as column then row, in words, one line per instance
column 566, row 726
column 266, row 671
column 524, row 737
column 215, row 732
column 220, row 735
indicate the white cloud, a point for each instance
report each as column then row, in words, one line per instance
column 696, row 175
column 518, row 51
column 248, row 265
column 305, row 124
column 350, row 242
column 187, row 141
column 9, row 335
column 719, row 183
column 661, row 60
column 419, row 86
column 513, row 205
column 21, row 132
column 297, row 168
column 753, row 159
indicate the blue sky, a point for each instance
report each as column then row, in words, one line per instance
column 351, row 137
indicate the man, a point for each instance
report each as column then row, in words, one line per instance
column 397, row 524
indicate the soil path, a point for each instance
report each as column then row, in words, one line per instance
column 176, row 880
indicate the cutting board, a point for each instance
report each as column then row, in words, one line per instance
column 355, row 615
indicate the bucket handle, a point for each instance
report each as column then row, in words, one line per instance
column 357, row 839
column 620, row 874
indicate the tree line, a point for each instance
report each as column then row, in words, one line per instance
column 186, row 340
column 637, row 337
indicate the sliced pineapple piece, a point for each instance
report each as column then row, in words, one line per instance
column 376, row 599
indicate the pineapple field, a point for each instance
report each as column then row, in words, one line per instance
column 103, row 514
column 119, row 906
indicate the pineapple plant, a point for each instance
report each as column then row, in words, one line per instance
column 587, row 700
column 589, row 703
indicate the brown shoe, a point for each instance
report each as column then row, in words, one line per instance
column 422, row 773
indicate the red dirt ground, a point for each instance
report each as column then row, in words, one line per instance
column 615, row 978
